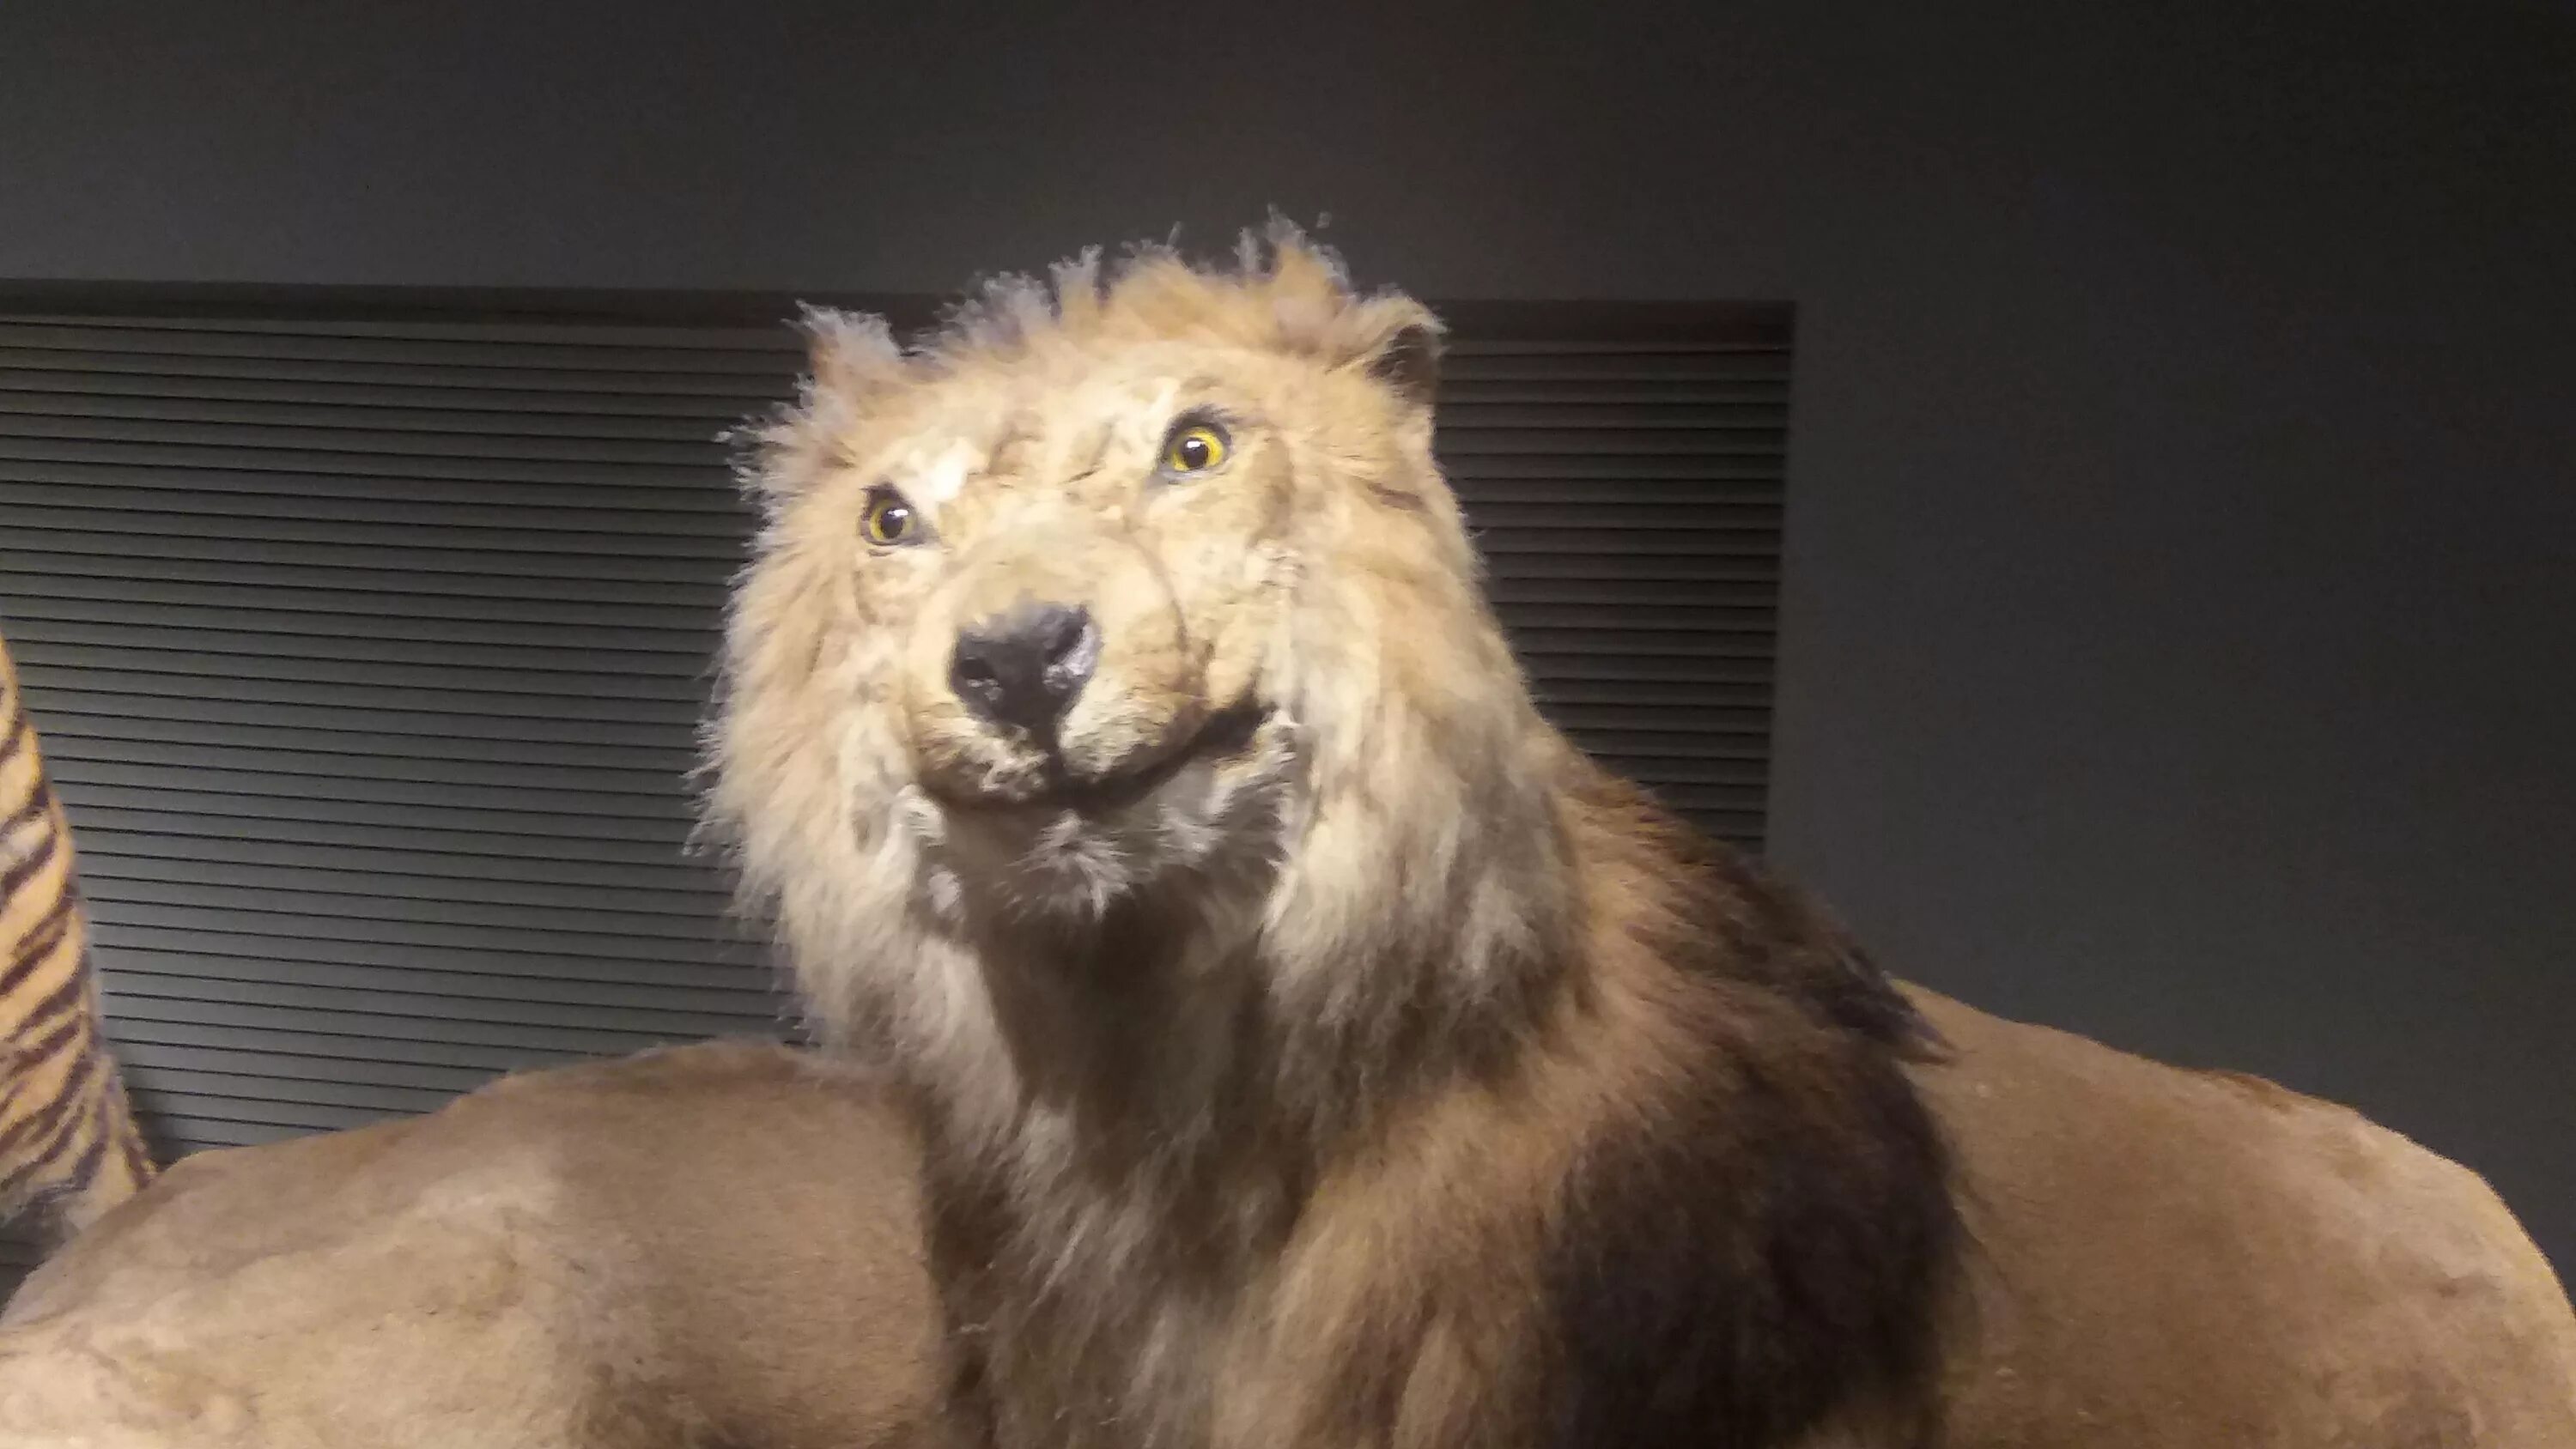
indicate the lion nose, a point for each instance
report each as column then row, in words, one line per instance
column 1024, row 666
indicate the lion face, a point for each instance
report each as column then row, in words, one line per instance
column 1080, row 579
column 1105, row 599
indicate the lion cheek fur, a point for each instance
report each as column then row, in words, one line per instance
column 1424, row 1087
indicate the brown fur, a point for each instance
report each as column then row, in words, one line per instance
column 1312, row 1046
column 2169, row 1260
column 2162, row 1260
column 69, row 1148
column 710, row 1247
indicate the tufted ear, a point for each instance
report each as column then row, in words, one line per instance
column 1399, row 341
column 850, row 354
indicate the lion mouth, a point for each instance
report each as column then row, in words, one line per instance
column 1222, row 735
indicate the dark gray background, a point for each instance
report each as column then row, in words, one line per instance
column 2179, row 607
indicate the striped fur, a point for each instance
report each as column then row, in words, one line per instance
column 69, row 1148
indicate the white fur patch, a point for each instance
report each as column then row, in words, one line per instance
column 935, row 479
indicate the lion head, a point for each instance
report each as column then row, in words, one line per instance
column 1131, row 595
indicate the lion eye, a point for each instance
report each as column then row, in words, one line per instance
column 1195, row 448
column 889, row 520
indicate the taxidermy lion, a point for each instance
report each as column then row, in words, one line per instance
column 1290, row 1039
column 1311, row 1047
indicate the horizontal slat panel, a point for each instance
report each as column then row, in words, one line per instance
column 770, row 338
column 61, row 590
column 682, row 889
column 621, row 670
column 92, row 533
column 262, row 679
column 313, row 909
column 351, row 515
column 752, row 389
column 474, row 995
column 1555, row 694
column 304, row 916
column 436, row 1012
column 371, row 653
column 185, row 1134
column 1483, row 498
column 149, row 1021
column 1529, row 619
column 518, row 355
column 334, row 417
column 159, row 438
column 198, row 832
column 294, row 574
column 246, row 517
column 380, row 734
column 308, row 752
column 1538, row 645
column 390, row 876
column 348, row 462
column 1753, row 582
column 246, row 1115
column 316, row 1074
column 150, row 1081
column 721, row 402
column 192, row 934
column 211, row 653
column 78, row 760
column 81, row 795
column 436, row 1039
column 710, row 510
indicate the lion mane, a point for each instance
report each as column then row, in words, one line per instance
column 1310, row 1044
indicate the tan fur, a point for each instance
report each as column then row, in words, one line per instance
column 709, row 1246
column 2164, row 1260
column 2170, row 1260
column 69, row 1148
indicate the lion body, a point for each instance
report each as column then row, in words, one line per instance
column 702, row 1246
column 2160, row 1259
column 2171, row 1259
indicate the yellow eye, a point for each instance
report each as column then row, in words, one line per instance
column 889, row 520
column 1195, row 449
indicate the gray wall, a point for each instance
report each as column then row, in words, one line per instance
column 2181, row 596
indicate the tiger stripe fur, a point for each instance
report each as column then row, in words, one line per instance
column 69, row 1147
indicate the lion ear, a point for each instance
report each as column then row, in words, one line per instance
column 1397, row 341
column 850, row 354
column 1407, row 357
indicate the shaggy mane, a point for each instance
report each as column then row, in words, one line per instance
column 1426, row 1085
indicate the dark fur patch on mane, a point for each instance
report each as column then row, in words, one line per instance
column 1769, row 1243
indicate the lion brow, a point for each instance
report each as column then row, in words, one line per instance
column 1102, row 434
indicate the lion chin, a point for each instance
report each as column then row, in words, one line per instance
column 1047, row 843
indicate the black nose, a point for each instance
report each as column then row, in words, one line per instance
column 1024, row 666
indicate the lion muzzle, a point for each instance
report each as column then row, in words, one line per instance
column 1024, row 666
